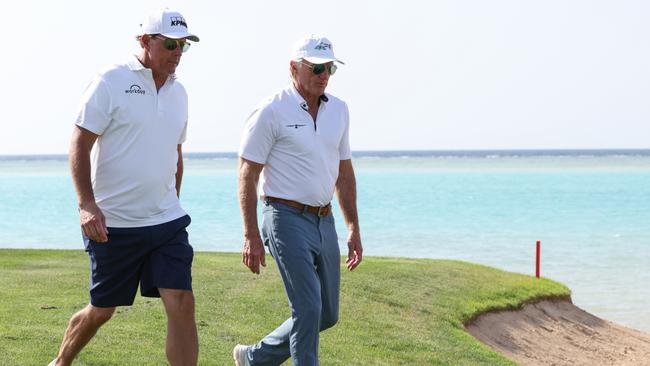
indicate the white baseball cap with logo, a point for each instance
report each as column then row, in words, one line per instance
column 168, row 23
column 314, row 49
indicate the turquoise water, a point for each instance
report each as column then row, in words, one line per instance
column 591, row 211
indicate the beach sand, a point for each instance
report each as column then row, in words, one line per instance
column 556, row 332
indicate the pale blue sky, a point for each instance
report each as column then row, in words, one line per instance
column 434, row 75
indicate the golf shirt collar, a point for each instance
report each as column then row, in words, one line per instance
column 300, row 100
column 134, row 64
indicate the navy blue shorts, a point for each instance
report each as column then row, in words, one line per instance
column 154, row 257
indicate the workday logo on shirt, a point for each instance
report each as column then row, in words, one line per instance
column 135, row 89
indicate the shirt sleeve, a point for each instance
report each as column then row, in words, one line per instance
column 259, row 136
column 183, row 136
column 344, row 145
column 183, row 93
column 95, row 112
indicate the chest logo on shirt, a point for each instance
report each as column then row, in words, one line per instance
column 134, row 89
column 296, row 126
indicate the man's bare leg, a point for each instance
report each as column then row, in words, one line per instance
column 81, row 329
column 182, row 339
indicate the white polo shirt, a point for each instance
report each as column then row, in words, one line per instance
column 134, row 158
column 301, row 158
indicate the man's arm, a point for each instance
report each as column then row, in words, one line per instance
column 253, row 253
column 179, row 170
column 93, row 222
column 346, row 192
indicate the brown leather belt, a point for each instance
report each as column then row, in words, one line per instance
column 316, row 210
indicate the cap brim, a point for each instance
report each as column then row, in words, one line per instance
column 322, row 60
column 179, row 35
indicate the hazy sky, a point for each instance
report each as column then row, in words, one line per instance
column 434, row 75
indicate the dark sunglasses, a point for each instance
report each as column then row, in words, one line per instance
column 318, row 69
column 172, row 44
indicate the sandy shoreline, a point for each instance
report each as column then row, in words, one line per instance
column 556, row 332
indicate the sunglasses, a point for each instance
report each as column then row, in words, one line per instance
column 318, row 69
column 172, row 44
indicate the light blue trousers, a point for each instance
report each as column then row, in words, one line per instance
column 306, row 249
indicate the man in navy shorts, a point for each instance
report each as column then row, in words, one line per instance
column 127, row 165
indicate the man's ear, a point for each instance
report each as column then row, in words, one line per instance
column 293, row 68
column 144, row 41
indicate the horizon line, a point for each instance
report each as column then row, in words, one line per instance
column 396, row 151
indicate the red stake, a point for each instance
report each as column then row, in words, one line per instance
column 537, row 261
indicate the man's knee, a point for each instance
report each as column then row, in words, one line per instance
column 310, row 312
column 178, row 302
column 99, row 316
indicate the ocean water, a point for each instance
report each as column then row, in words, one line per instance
column 589, row 209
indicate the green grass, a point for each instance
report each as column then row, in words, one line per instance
column 394, row 311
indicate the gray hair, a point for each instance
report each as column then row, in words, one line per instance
column 299, row 64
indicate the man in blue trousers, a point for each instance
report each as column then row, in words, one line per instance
column 297, row 142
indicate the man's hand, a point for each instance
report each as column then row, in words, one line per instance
column 355, row 250
column 346, row 191
column 93, row 222
column 254, row 254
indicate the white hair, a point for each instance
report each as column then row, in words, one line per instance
column 299, row 64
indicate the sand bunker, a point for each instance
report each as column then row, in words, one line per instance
column 559, row 333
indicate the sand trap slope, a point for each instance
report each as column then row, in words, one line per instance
column 559, row 333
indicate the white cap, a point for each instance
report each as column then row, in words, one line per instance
column 168, row 23
column 315, row 49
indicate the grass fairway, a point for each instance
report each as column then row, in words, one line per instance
column 394, row 311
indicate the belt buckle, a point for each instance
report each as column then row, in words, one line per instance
column 324, row 209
